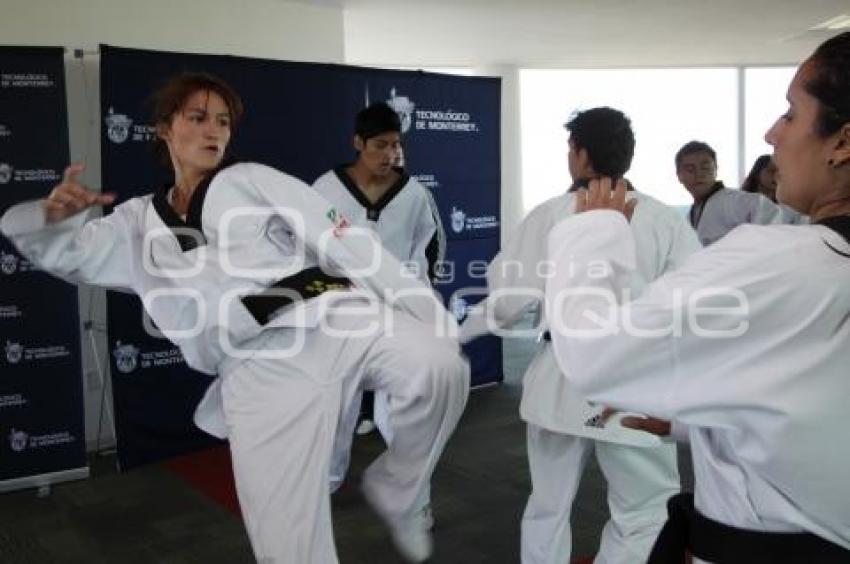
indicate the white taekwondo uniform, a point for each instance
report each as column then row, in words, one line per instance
column 761, row 385
column 640, row 480
column 406, row 218
column 407, row 222
column 724, row 209
column 279, row 410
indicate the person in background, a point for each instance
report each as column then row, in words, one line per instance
column 717, row 210
column 762, row 178
column 640, row 478
column 376, row 193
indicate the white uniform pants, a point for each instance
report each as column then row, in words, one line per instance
column 282, row 418
column 640, row 481
column 341, row 456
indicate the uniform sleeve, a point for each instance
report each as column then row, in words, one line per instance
column 763, row 211
column 684, row 244
column 91, row 252
column 791, row 216
column 357, row 253
column 429, row 244
column 644, row 355
column 515, row 278
column 322, row 184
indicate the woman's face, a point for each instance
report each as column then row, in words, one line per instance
column 800, row 154
column 198, row 133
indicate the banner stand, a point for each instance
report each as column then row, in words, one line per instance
column 42, row 413
column 104, row 387
column 44, row 480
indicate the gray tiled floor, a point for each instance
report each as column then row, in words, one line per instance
column 149, row 515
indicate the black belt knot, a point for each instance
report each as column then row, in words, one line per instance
column 309, row 283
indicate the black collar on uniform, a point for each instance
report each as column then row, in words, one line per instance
column 173, row 221
column 193, row 218
column 715, row 188
column 841, row 225
column 699, row 205
column 373, row 211
column 196, row 203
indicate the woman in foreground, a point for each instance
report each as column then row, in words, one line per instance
column 747, row 345
column 262, row 282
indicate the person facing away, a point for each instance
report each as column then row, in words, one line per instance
column 717, row 209
column 745, row 345
column 640, row 478
column 254, row 276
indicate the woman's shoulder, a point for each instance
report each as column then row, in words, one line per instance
column 134, row 205
column 246, row 175
column 327, row 180
column 777, row 242
column 779, row 232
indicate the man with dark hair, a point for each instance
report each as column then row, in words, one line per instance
column 695, row 147
column 374, row 192
column 363, row 191
column 606, row 134
column 717, row 209
column 563, row 429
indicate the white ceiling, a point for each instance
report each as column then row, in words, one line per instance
column 582, row 33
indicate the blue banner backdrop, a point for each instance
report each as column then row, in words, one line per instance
column 42, row 432
column 299, row 119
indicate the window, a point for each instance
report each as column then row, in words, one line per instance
column 764, row 101
column 668, row 107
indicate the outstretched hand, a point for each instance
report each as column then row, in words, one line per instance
column 70, row 197
column 599, row 195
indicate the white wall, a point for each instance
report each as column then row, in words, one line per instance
column 583, row 34
column 667, row 108
column 258, row 28
column 511, row 189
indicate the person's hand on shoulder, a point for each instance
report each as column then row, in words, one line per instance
column 599, row 195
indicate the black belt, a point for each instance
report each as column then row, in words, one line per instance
column 687, row 530
column 308, row 283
